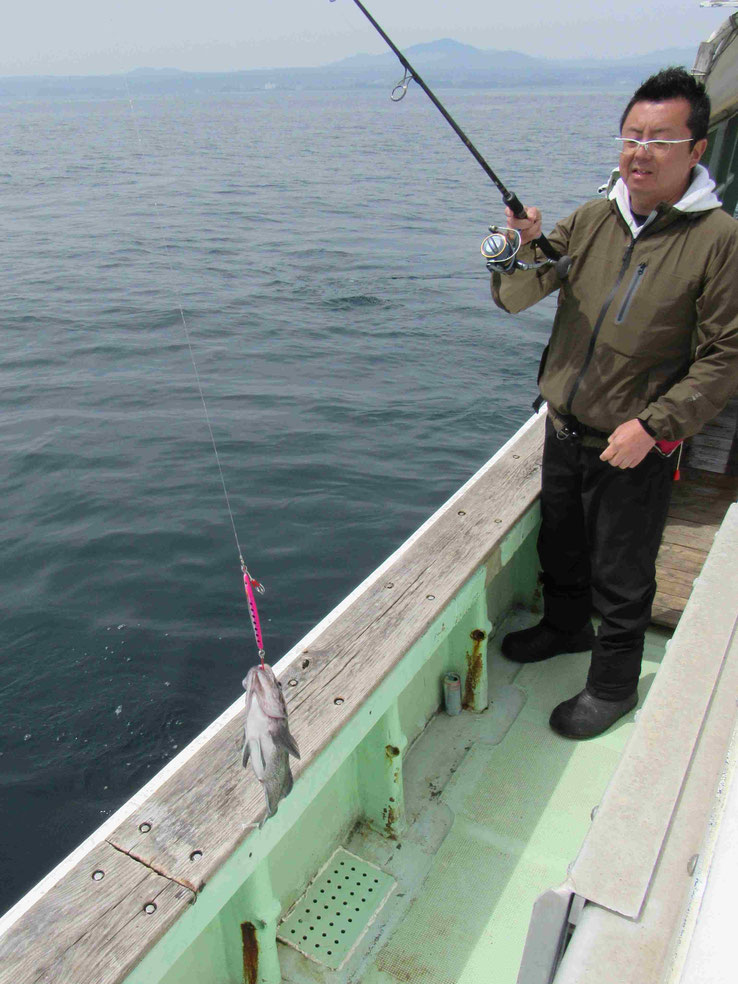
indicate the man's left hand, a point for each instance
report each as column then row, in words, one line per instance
column 628, row 445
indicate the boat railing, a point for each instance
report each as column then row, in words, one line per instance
column 186, row 852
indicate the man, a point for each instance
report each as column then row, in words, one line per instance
column 644, row 348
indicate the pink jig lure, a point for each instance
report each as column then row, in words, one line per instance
column 249, row 584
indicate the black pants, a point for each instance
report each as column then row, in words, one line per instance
column 600, row 533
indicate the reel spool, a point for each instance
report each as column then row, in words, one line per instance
column 500, row 250
column 501, row 247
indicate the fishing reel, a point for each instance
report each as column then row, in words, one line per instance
column 501, row 249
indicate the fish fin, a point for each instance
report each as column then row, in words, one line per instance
column 283, row 737
column 270, row 793
column 254, row 753
column 245, row 753
column 289, row 782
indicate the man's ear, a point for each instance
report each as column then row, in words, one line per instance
column 698, row 150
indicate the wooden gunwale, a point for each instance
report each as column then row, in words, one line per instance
column 174, row 836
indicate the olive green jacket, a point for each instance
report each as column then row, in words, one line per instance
column 646, row 325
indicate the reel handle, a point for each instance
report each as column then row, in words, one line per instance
column 511, row 200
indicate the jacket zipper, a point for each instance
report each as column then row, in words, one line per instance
column 598, row 324
column 625, row 307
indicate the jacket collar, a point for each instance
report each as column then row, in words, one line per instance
column 699, row 197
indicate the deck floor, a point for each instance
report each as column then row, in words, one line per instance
column 497, row 807
column 698, row 505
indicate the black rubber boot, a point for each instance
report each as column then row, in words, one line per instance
column 542, row 641
column 586, row 716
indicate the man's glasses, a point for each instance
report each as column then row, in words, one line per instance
column 659, row 147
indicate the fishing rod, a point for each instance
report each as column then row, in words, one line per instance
column 500, row 246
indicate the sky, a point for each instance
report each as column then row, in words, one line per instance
column 88, row 37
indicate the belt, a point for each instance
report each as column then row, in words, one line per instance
column 568, row 426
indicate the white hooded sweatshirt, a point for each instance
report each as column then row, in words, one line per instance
column 699, row 197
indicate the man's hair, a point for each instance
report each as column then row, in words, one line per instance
column 676, row 83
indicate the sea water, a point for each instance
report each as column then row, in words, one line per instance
column 323, row 252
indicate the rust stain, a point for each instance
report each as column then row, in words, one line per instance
column 250, row 953
column 473, row 667
column 391, row 821
column 391, row 751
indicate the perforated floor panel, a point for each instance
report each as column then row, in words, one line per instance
column 337, row 909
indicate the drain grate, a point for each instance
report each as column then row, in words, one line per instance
column 337, row 909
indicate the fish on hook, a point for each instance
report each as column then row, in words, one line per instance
column 267, row 739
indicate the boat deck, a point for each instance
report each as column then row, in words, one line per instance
column 497, row 808
column 699, row 503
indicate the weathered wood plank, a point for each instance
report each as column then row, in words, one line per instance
column 666, row 610
column 707, row 496
column 676, row 584
column 205, row 805
column 675, row 557
column 687, row 533
column 698, row 506
column 728, row 482
column 84, row 929
column 696, row 491
column 700, row 509
column 713, row 449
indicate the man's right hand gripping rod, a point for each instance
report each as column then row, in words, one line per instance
column 561, row 263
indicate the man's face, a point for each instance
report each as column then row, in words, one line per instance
column 651, row 177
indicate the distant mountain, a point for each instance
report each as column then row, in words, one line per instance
column 445, row 53
column 448, row 53
column 449, row 62
column 443, row 64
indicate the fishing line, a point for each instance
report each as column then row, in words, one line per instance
column 250, row 583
